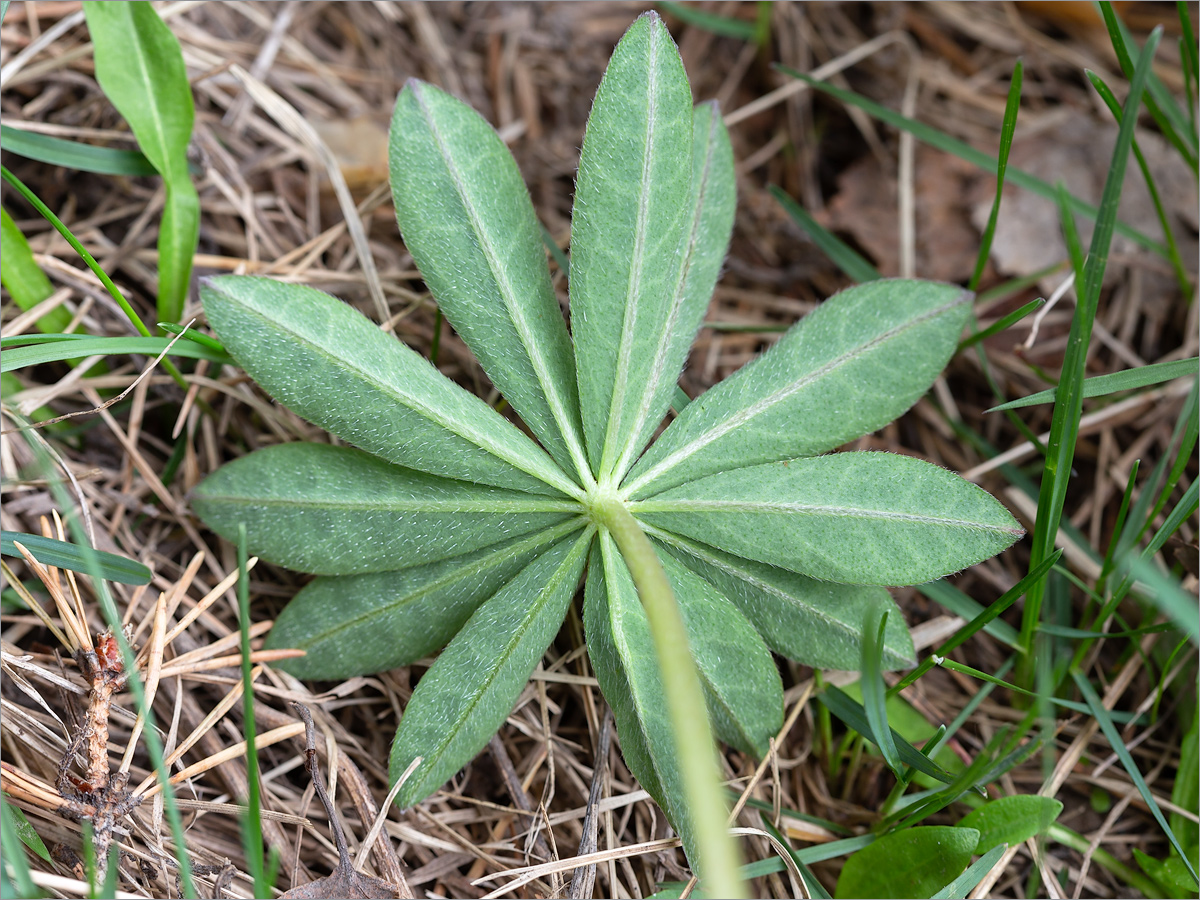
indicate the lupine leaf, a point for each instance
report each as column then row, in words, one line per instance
column 467, row 219
column 629, row 219
column 344, row 374
column 460, row 702
column 710, row 221
column 338, row 511
column 359, row 624
column 855, row 363
column 741, row 683
column 817, row 623
column 857, row 518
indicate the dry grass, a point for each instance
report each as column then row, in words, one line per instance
column 292, row 108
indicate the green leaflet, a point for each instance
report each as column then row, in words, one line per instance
column 344, row 374
column 140, row 68
column 855, row 363
column 622, row 653
column 817, row 623
column 914, row 862
column 628, row 223
column 338, row 511
column 359, row 624
column 1011, row 820
column 466, row 217
column 461, row 701
column 856, row 518
column 713, row 198
column 741, row 684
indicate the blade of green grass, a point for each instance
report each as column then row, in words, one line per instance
column 23, row 278
column 944, row 142
column 139, row 65
column 1171, row 120
column 722, row 25
column 812, row 885
column 960, row 604
column 1110, row 100
column 842, row 254
column 1070, row 232
column 1068, row 407
column 873, row 689
column 15, row 862
column 1001, row 324
column 1126, row 380
column 36, row 354
column 73, row 154
column 64, row 555
column 966, row 882
column 1114, row 738
column 1007, row 129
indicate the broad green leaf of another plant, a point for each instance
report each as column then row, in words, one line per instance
column 139, row 65
column 469, row 692
column 914, row 862
column 1011, row 820
column 23, row 278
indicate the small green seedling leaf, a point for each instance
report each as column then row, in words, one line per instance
column 65, row 555
column 25, row 832
column 914, row 862
column 139, row 65
column 1011, row 820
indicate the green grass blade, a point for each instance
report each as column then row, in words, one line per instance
column 966, row 882
column 1126, row 380
column 139, row 65
column 1171, row 120
column 1007, row 128
column 75, row 155
column 23, row 278
column 1105, row 721
column 79, row 346
column 64, row 555
column 984, row 161
column 1070, row 232
column 14, row 854
column 1001, row 324
column 1068, row 407
column 815, row 889
column 845, row 257
column 1114, row 107
column 725, row 26
column 874, row 690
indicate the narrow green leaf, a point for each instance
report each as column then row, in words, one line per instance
column 845, row 257
column 817, row 623
column 23, row 278
column 874, row 691
column 352, row 625
column 855, row 518
column 344, row 374
column 467, row 219
column 914, row 862
column 1007, row 129
column 73, row 154
column 942, row 141
column 65, row 555
column 853, row 365
column 14, row 857
column 26, row 833
column 627, row 226
column 622, row 653
column 722, row 25
column 852, row 713
column 139, row 65
column 338, row 511
column 70, row 346
column 1001, row 324
column 464, row 698
column 1104, row 720
column 713, row 198
column 1011, row 820
column 960, row 604
column 741, row 683
column 968, row 880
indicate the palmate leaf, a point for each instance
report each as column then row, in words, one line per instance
column 854, row 364
column 856, row 518
column 817, row 623
column 338, row 511
column 628, row 223
column 352, row 625
column 344, row 374
column 481, row 256
column 461, row 701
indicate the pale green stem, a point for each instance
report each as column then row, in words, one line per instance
column 694, row 743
